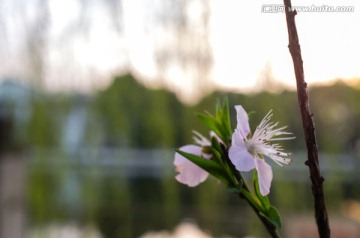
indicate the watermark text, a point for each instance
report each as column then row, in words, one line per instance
column 280, row 8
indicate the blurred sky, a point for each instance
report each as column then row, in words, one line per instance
column 203, row 45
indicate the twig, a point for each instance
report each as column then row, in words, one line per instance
column 273, row 232
column 308, row 125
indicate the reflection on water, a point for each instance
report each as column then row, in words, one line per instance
column 64, row 231
column 183, row 230
column 133, row 193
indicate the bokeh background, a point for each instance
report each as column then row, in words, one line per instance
column 95, row 95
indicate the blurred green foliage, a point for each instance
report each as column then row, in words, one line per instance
column 134, row 116
column 126, row 114
column 42, row 130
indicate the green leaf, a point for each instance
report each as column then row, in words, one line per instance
column 263, row 199
column 217, row 156
column 215, row 145
column 209, row 121
column 220, row 123
column 221, row 155
column 273, row 216
column 267, row 211
column 217, row 151
column 252, row 199
column 225, row 118
column 214, row 125
column 212, row 167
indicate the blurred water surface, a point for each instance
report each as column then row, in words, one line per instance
column 128, row 192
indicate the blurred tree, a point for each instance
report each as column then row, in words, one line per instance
column 337, row 114
column 42, row 130
column 61, row 46
column 135, row 116
column 128, row 114
column 185, row 44
column 36, row 39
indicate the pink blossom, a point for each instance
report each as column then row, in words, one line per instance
column 189, row 173
column 247, row 152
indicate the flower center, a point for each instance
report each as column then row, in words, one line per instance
column 251, row 147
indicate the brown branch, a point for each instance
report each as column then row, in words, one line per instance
column 308, row 125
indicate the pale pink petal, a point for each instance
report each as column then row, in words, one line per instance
column 242, row 121
column 189, row 173
column 200, row 139
column 214, row 135
column 237, row 138
column 240, row 157
column 265, row 176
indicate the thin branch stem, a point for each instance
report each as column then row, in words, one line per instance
column 308, row 126
column 268, row 225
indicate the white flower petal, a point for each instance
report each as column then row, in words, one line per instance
column 189, row 173
column 214, row 135
column 246, row 153
column 200, row 139
column 265, row 176
column 241, row 158
column 242, row 121
column 237, row 138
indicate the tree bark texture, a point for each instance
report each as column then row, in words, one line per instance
column 308, row 125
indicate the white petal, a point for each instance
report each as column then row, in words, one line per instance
column 237, row 138
column 214, row 135
column 242, row 121
column 241, row 158
column 265, row 176
column 200, row 139
column 189, row 173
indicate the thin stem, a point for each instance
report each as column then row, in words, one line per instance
column 269, row 226
column 308, row 125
